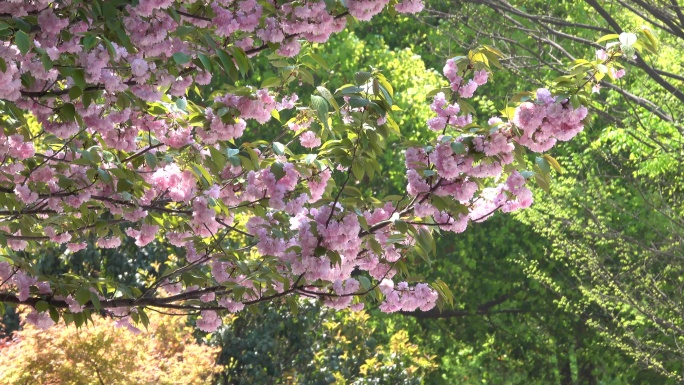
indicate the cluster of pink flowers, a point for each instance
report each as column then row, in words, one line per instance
column 409, row 6
column 203, row 222
column 20, row 8
column 447, row 114
column 546, row 121
column 310, row 20
column 309, row 139
column 109, row 243
column 15, row 147
column 21, row 281
column 365, row 9
column 244, row 16
column 258, row 108
column 458, row 84
column 133, row 151
column 453, row 166
column 317, row 185
column 401, row 297
column 10, row 79
column 145, row 235
column 344, row 291
column 209, row 321
column 170, row 181
column 14, row 278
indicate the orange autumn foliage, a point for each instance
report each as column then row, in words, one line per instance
column 165, row 353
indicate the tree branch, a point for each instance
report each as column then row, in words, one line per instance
column 639, row 61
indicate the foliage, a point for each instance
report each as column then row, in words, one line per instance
column 90, row 153
column 315, row 346
column 164, row 353
column 610, row 218
column 251, row 161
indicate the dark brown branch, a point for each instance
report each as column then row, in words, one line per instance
column 639, row 61
column 435, row 313
column 660, row 15
column 678, row 10
column 484, row 309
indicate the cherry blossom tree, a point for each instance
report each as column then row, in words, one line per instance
column 144, row 119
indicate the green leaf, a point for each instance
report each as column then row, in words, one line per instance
column 227, row 64
column 54, row 314
column 238, row 292
column 78, row 76
column 206, row 62
column 95, row 300
column 182, row 104
column 271, row 82
column 82, row 295
column 319, row 59
column 365, row 282
column 426, row 241
column 443, row 289
column 278, row 148
column 124, row 185
column 241, row 59
column 75, row 92
column 554, row 163
column 184, row 30
column 180, row 58
column 611, row 36
column 151, row 160
column 23, row 42
column 357, row 102
column 310, row 158
column 348, row 89
column 543, row 164
column 325, row 93
column 458, row 148
column 357, row 170
column 352, row 191
column 67, row 112
column 143, row 318
column 650, row 36
column 104, row 175
column 466, row 107
column 306, row 76
column 361, row 77
column 23, row 24
column 42, row 306
column 543, row 181
column 375, row 246
column 320, row 105
column 203, row 171
column 385, row 84
column 47, row 63
column 89, row 41
column 396, row 238
column 110, row 47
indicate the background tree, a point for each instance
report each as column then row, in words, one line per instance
column 314, row 345
column 164, row 353
column 96, row 144
column 611, row 219
column 493, row 300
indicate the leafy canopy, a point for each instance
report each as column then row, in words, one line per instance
column 142, row 120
